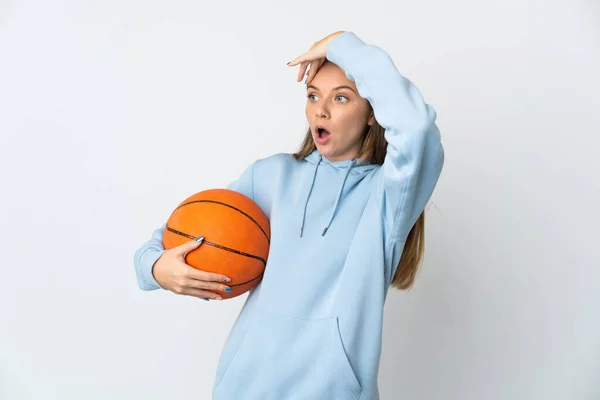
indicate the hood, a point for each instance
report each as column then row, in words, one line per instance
column 315, row 157
column 353, row 166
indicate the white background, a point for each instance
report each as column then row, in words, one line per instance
column 112, row 112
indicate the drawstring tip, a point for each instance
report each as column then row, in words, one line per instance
column 300, row 232
column 324, row 231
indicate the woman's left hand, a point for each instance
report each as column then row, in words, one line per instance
column 315, row 57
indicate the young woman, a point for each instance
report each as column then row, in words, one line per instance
column 347, row 222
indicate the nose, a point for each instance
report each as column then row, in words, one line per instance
column 321, row 112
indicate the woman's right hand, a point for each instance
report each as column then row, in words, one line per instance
column 172, row 273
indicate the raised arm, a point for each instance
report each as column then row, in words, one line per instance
column 415, row 155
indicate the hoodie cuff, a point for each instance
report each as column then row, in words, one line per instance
column 343, row 48
column 147, row 262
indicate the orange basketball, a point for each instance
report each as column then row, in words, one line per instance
column 236, row 234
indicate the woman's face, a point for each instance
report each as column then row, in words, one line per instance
column 333, row 103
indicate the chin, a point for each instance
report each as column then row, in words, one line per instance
column 329, row 151
column 325, row 150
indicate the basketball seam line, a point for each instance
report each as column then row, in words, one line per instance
column 232, row 207
column 221, row 247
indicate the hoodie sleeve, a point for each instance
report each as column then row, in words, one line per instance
column 415, row 155
column 146, row 256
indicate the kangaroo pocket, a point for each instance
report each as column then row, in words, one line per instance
column 282, row 357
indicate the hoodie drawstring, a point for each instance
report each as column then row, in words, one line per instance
column 309, row 192
column 337, row 200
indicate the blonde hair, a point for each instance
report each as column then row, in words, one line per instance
column 373, row 150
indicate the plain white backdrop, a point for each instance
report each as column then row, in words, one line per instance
column 113, row 112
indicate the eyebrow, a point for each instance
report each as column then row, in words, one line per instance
column 335, row 88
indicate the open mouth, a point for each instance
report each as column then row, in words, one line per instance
column 322, row 133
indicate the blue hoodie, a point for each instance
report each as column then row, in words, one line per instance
column 312, row 328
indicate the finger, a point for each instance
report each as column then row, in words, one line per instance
column 314, row 67
column 199, row 275
column 298, row 60
column 307, row 57
column 187, row 247
column 302, row 71
column 202, row 294
column 205, row 285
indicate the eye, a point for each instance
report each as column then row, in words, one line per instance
column 311, row 95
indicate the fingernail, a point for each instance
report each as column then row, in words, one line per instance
column 226, row 280
column 200, row 239
column 206, row 298
column 228, row 289
column 288, row 63
column 219, row 298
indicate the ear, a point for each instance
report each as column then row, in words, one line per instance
column 371, row 120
